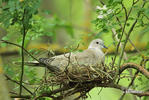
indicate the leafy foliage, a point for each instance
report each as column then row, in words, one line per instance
column 22, row 16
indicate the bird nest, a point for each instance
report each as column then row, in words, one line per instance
column 78, row 80
column 77, row 74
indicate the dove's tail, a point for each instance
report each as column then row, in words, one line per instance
column 43, row 62
column 29, row 63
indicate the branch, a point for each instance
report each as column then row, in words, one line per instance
column 49, row 94
column 132, row 81
column 23, row 96
column 86, row 88
column 127, row 36
column 134, row 92
column 141, row 69
column 22, row 51
column 123, row 30
column 101, row 2
column 121, row 45
column 130, row 30
column 20, row 47
column 118, row 20
column 8, row 78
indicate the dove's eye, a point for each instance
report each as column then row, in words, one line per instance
column 97, row 42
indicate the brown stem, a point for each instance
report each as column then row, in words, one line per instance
column 141, row 69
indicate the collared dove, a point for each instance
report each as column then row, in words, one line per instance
column 89, row 57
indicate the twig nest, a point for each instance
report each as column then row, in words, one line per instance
column 100, row 73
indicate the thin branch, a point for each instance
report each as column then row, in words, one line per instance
column 126, row 34
column 88, row 86
column 20, row 47
column 22, row 52
column 8, row 78
column 126, row 15
column 23, row 96
column 131, row 29
column 118, row 45
column 127, row 37
column 141, row 69
column 121, row 45
column 134, row 2
column 133, row 79
column 134, row 92
column 143, row 62
column 101, row 2
column 52, row 92
column 130, row 84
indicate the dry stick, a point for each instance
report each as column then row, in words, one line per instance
column 52, row 92
column 137, row 93
column 116, row 86
column 131, row 91
column 140, row 68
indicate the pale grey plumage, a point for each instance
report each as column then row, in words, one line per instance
column 89, row 57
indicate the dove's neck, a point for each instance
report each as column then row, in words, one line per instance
column 97, row 50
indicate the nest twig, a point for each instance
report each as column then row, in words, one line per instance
column 79, row 80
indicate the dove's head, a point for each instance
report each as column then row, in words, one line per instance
column 97, row 43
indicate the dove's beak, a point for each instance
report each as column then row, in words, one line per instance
column 104, row 46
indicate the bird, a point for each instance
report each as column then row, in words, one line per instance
column 92, row 56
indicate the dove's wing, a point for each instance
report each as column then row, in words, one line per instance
column 88, row 57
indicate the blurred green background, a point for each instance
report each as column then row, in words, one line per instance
column 60, row 24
